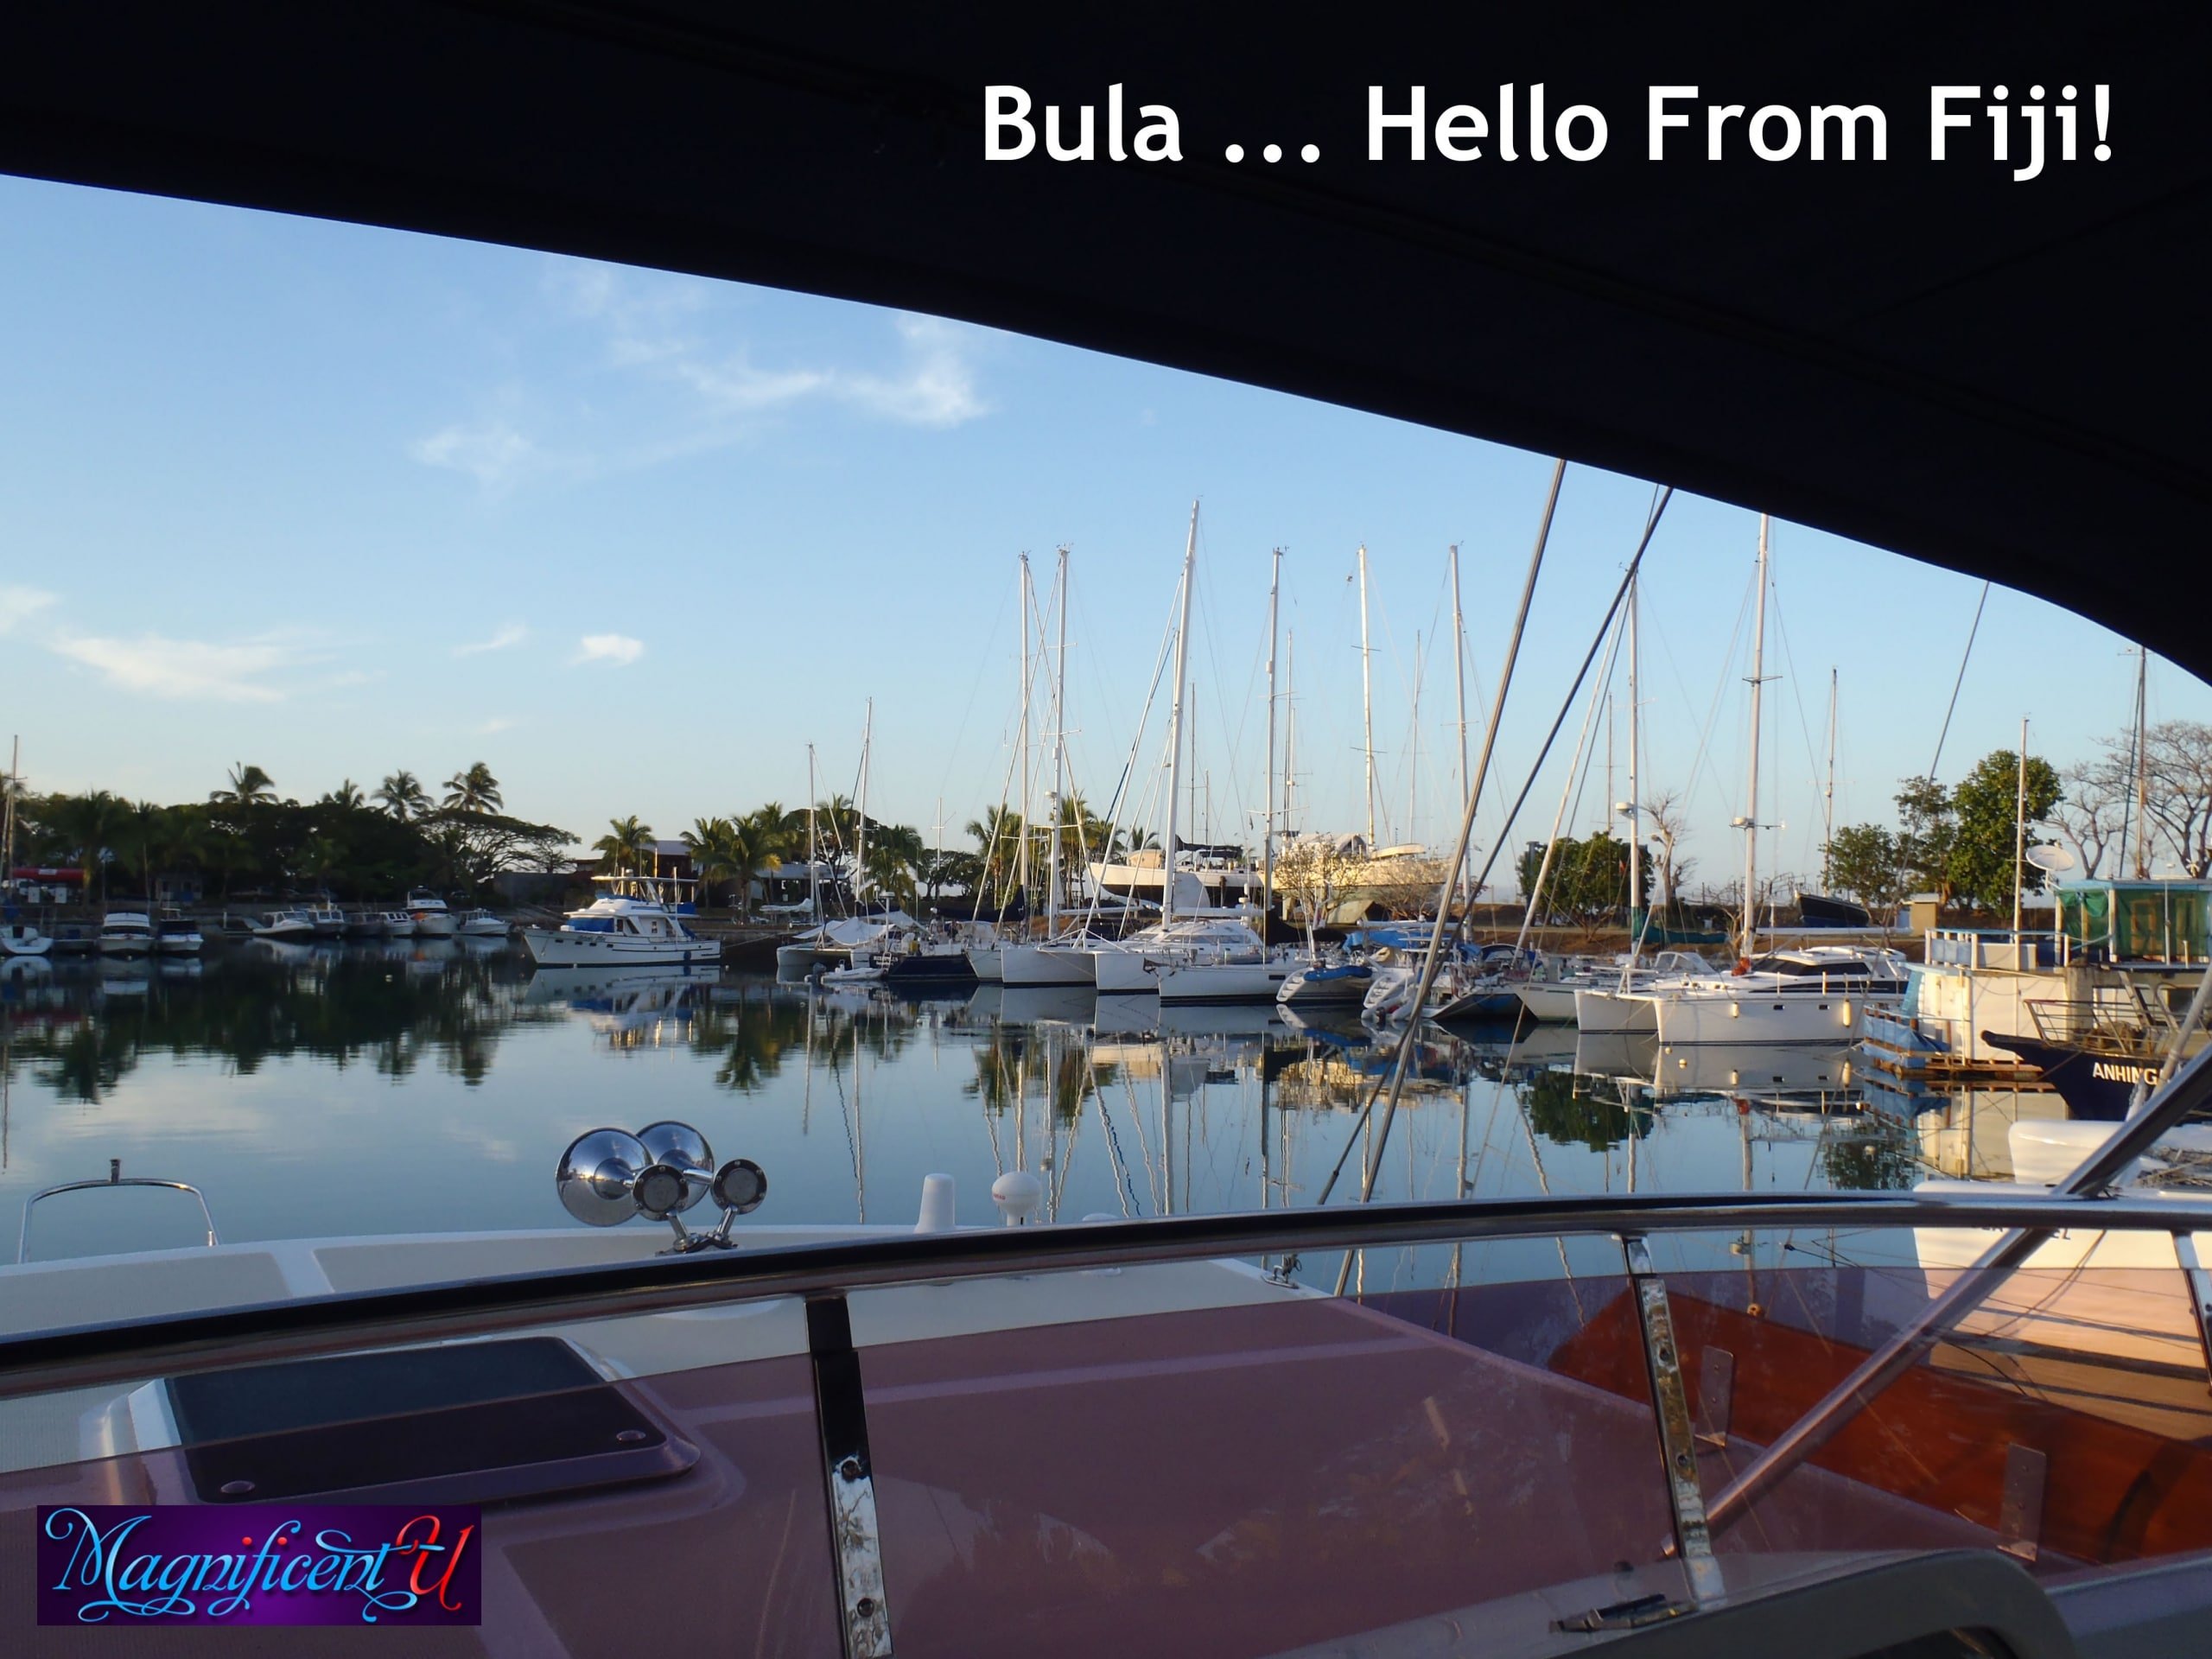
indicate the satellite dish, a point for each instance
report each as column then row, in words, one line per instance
column 2055, row 859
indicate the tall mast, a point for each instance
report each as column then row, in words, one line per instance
column 2019, row 835
column 1634, row 810
column 1059, row 752
column 1022, row 852
column 1460, row 689
column 1366, row 697
column 813, row 868
column 1413, row 752
column 1175, row 721
column 1827, row 796
column 1751, row 811
column 860, row 848
column 1289, row 728
column 2142, row 764
column 1267, row 836
column 7, row 830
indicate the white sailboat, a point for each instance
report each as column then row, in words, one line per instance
column 1056, row 961
column 1817, row 994
column 16, row 938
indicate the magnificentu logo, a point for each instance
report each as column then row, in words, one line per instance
column 330, row 1564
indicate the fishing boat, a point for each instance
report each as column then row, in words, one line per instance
column 481, row 925
column 367, row 925
column 632, row 920
column 432, row 919
column 126, row 933
column 176, row 934
column 324, row 915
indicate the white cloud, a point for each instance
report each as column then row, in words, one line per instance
column 617, row 648
column 511, row 634
column 19, row 605
column 491, row 452
column 233, row 671
column 496, row 724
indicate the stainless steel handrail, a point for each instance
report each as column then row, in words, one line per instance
column 173, row 1344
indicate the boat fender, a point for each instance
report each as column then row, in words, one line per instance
column 1743, row 965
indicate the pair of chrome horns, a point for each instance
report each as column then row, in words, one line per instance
column 606, row 1176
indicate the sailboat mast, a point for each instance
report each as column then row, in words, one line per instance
column 1366, row 696
column 1289, row 728
column 2019, row 835
column 1175, row 720
column 1267, row 836
column 1460, row 692
column 1751, row 811
column 1828, row 797
column 1412, row 751
column 8, row 831
column 813, row 864
column 1021, row 851
column 1059, row 752
column 859, row 848
column 1634, row 810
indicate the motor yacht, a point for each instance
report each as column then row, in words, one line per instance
column 126, row 933
column 398, row 924
column 1612, row 1433
column 482, row 924
column 433, row 921
column 627, row 923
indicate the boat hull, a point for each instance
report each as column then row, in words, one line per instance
column 551, row 948
column 1750, row 1017
column 1025, row 967
column 1222, row 982
column 429, row 926
column 1607, row 1013
column 1553, row 1003
column 27, row 943
column 985, row 965
column 1124, row 973
column 2097, row 1088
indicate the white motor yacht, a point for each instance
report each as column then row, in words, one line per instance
column 126, row 933
column 627, row 923
column 433, row 921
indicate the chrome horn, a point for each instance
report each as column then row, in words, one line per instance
column 606, row 1176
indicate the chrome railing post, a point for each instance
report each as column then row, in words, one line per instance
column 1663, row 1364
column 849, row 1479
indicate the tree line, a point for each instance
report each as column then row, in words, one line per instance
column 358, row 845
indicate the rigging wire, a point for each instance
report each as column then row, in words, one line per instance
column 1965, row 656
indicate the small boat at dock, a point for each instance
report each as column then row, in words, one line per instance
column 126, row 933
column 176, row 934
column 433, row 921
column 629, row 922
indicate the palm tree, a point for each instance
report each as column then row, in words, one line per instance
column 88, row 823
column 143, row 830
column 895, row 852
column 401, row 794
column 348, row 794
column 626, row 845
column 473, row 791
column 713, row 848
column 998, row 837
column 248, row 785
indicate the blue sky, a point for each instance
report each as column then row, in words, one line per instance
column 336, row 500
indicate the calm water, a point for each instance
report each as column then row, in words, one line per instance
column 407, row 1088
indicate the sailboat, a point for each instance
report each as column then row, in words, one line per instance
column 1057, row 961
column 1815, row 994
